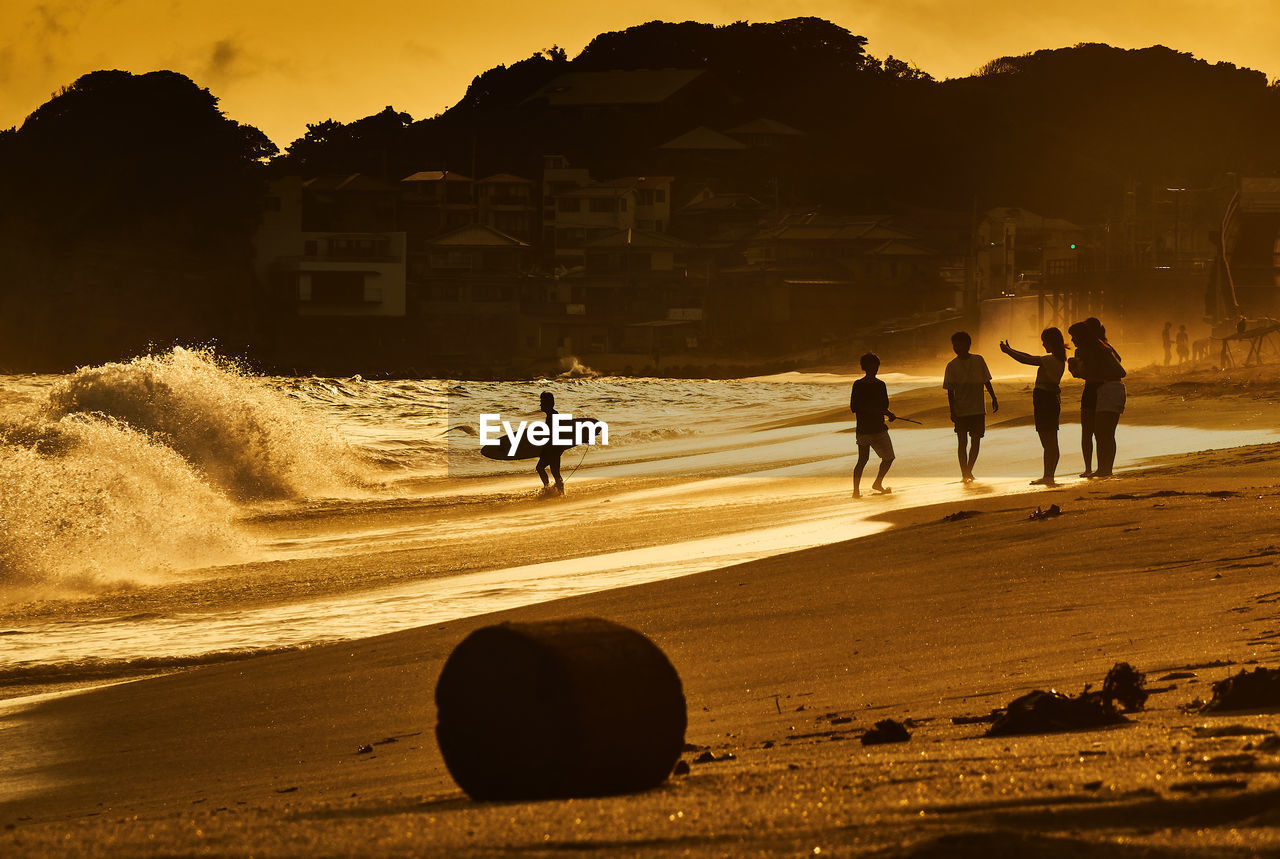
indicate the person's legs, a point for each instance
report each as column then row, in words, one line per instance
column 542, row 469
column 1086, row 440
column 962, row 453
column 1047, row 409
column 975, row 442
column 1105, row 427
column 864, row 454
column 555, row 471
column 884, row 450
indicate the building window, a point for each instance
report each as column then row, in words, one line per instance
column 568, row 204
column 337, row 287
column 601, row 204
column 310, row 248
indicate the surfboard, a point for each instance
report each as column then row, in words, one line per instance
column 501, row 449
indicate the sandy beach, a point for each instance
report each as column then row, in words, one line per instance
column 786, row 661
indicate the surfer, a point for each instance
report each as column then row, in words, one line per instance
column 869, row 400
column 550, row 456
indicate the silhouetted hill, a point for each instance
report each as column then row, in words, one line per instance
column 1056, row 130
column 1063, row 129
column 787, row 70
column 129, row 203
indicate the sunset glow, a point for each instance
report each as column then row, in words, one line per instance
column 280, row 65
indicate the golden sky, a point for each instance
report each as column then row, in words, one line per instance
column 279, row 65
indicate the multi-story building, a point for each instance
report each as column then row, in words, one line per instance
column 327, row 247
column 652, row 200
column 588, row 213
column 813, row 277
column 1018, row 251
column 505, row 203
column 433, row 202
column 557, row 178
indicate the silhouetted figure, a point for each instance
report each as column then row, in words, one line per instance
column 550, row 457
column 1046, row 396
column 1184, row 344
column 1166, row 340
column 869, row 400
column 1102, row 400
column 1242, row 325
column 964, row 379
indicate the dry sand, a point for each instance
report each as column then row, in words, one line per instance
column 785, row 662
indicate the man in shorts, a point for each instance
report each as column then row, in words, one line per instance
column 965, row 377
column 870, row 402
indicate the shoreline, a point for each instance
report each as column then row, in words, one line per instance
column 260, row 756
column 1151, row 403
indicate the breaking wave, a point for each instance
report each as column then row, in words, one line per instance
column 86, row 502
column 246, row 438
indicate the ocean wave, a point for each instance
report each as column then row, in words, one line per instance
column 106, row 670
column 642, row 436
column 246, row 438
column 86, row 502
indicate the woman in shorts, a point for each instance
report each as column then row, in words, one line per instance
column 1103, row 398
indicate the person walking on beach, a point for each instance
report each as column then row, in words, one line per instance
column 550, row 456
column 1046, row 396
column 964, row 379
column 1184, row 344
column 1102, row 401
column 1166, row 340
column 869, row 401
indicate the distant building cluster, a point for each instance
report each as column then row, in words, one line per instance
column 659, row 269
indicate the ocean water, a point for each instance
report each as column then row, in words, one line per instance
column 174, row 510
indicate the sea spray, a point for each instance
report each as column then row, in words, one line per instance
column 86, row 503
column 575, row 369
column 249, row 440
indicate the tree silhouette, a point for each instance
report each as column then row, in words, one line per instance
column 130, row 206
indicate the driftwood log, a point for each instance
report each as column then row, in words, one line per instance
column 565, row 708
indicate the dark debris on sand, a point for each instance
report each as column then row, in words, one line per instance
column 1125, row 686
column 1041, row 712
column 960, row 514
column 1038, row 514
column 1249, row 690
column 886, row 731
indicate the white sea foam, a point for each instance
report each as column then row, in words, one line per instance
column 86, row 502
column 245, row 437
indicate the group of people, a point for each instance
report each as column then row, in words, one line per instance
column 967, row 378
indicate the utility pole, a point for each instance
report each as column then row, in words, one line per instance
column 1177, row 224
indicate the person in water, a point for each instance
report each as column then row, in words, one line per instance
column 1046, row 396
column 965, row 377
column 1103, row 398
column 869, row 400
column 550, row 457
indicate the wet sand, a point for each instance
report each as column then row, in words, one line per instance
column 1173, row 570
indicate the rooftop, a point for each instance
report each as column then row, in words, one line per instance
column 704, row 138
column 436, row 176
column 477, row 235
